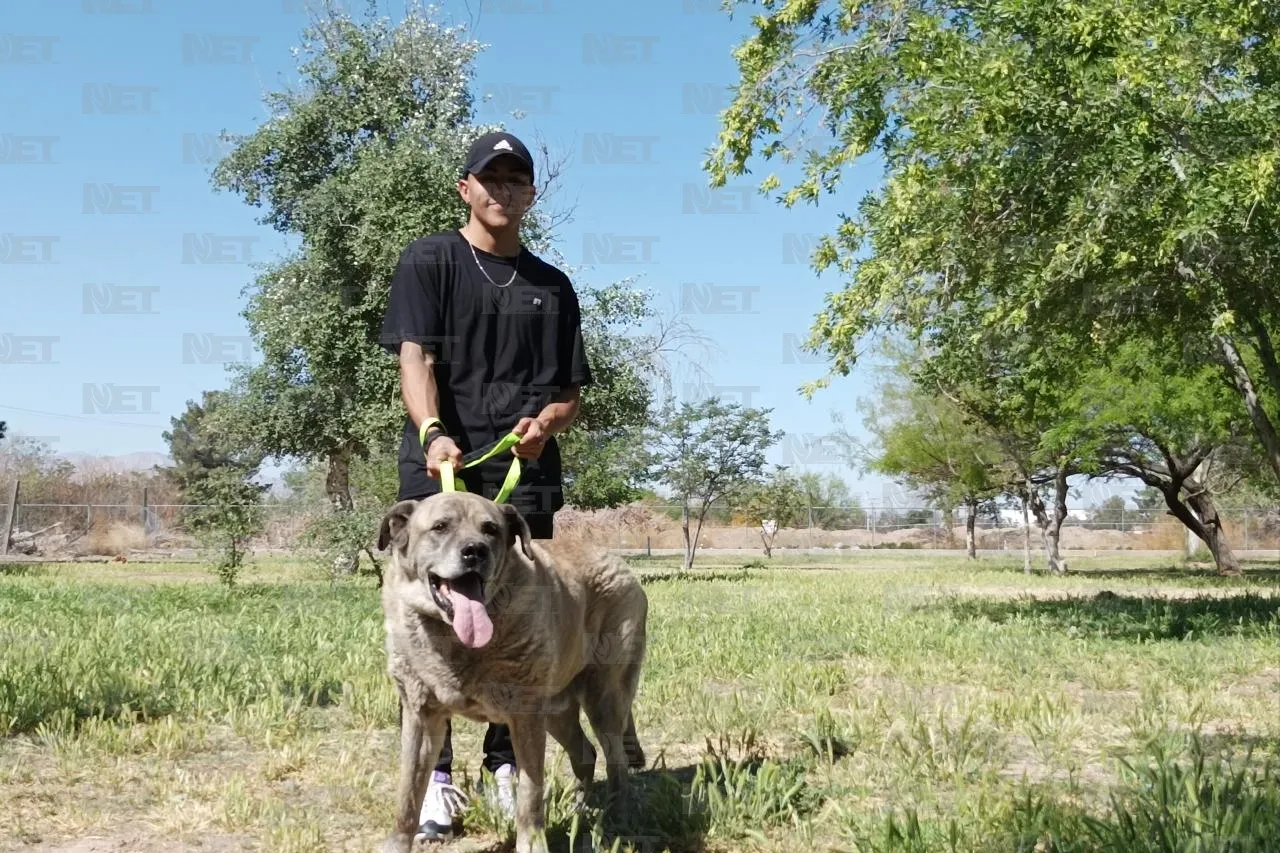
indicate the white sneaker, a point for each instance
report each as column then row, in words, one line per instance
column 441, row 807
column 503, row 797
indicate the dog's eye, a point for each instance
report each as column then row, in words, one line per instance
column 440, row 526
column 488, row 528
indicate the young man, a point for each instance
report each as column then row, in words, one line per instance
column 489, row 338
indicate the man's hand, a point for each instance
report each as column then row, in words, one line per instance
column 441, row 449
column 533, row 438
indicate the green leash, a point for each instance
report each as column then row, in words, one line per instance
column 476, row 457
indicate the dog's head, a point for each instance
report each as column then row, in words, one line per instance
column 450, row 552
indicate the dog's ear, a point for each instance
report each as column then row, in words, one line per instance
column 517, row 529
column 394, row 524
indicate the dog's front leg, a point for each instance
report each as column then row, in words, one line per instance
column 421, row 738
column 529, row 738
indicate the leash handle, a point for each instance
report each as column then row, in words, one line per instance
column 449, row 484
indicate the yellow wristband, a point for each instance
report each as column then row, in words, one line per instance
column 422, row 431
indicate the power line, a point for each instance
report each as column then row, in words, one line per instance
column 79, row 417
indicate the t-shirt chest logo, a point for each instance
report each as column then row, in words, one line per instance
column 524, row 300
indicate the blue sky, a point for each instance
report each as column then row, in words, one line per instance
column 114, row 314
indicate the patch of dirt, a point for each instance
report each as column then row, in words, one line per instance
column 139, row 842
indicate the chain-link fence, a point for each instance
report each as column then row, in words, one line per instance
column 73, row 529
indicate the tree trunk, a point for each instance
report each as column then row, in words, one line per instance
column 337, row 480
column 1026, row 537
column 688, row 543
column 970, row 523
column 337, row 487
column 1050, row 526
column 1200, row 515
column 1243, row 382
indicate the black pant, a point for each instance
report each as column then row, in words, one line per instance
column 498, row 749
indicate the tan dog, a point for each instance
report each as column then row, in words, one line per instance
column 485, row 623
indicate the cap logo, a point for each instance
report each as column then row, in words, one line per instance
column 503, row 145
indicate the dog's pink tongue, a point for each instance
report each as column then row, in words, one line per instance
column 470, row 621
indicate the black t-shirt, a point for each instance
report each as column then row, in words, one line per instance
column 501, row 354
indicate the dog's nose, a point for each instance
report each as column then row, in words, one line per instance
column 473, row 553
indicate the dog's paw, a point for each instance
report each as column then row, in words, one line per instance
column 398, row 843
column 537, row 843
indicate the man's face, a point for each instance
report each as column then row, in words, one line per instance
column 501, row 194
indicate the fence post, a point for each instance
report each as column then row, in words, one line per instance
column 1246, row 530
column 10, row 515
column 810, row 534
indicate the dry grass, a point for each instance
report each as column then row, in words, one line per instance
column 785, row 709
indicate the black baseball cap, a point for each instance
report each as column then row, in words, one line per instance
column 492, row 146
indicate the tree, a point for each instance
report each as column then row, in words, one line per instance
column 706, row 451
column 218, row 479
column 228, row 516
column 1147, row 415
column 1100, row 168
column 1110, row 512
column 928, row 443
column 197, row 446
column 3, row 427
column 1015, row 389
column 356, row 163
column 603, row 450
column 774, row 503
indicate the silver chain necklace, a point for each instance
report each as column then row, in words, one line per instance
column 514, row 272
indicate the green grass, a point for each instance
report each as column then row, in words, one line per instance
column 880, row 702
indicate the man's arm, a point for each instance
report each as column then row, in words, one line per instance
column 554, row 418
column 418, row 383
column 561, row 411
column 421, row 398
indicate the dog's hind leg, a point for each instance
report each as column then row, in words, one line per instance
column 566, row 728
column 607, row 710
column 631, row 743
